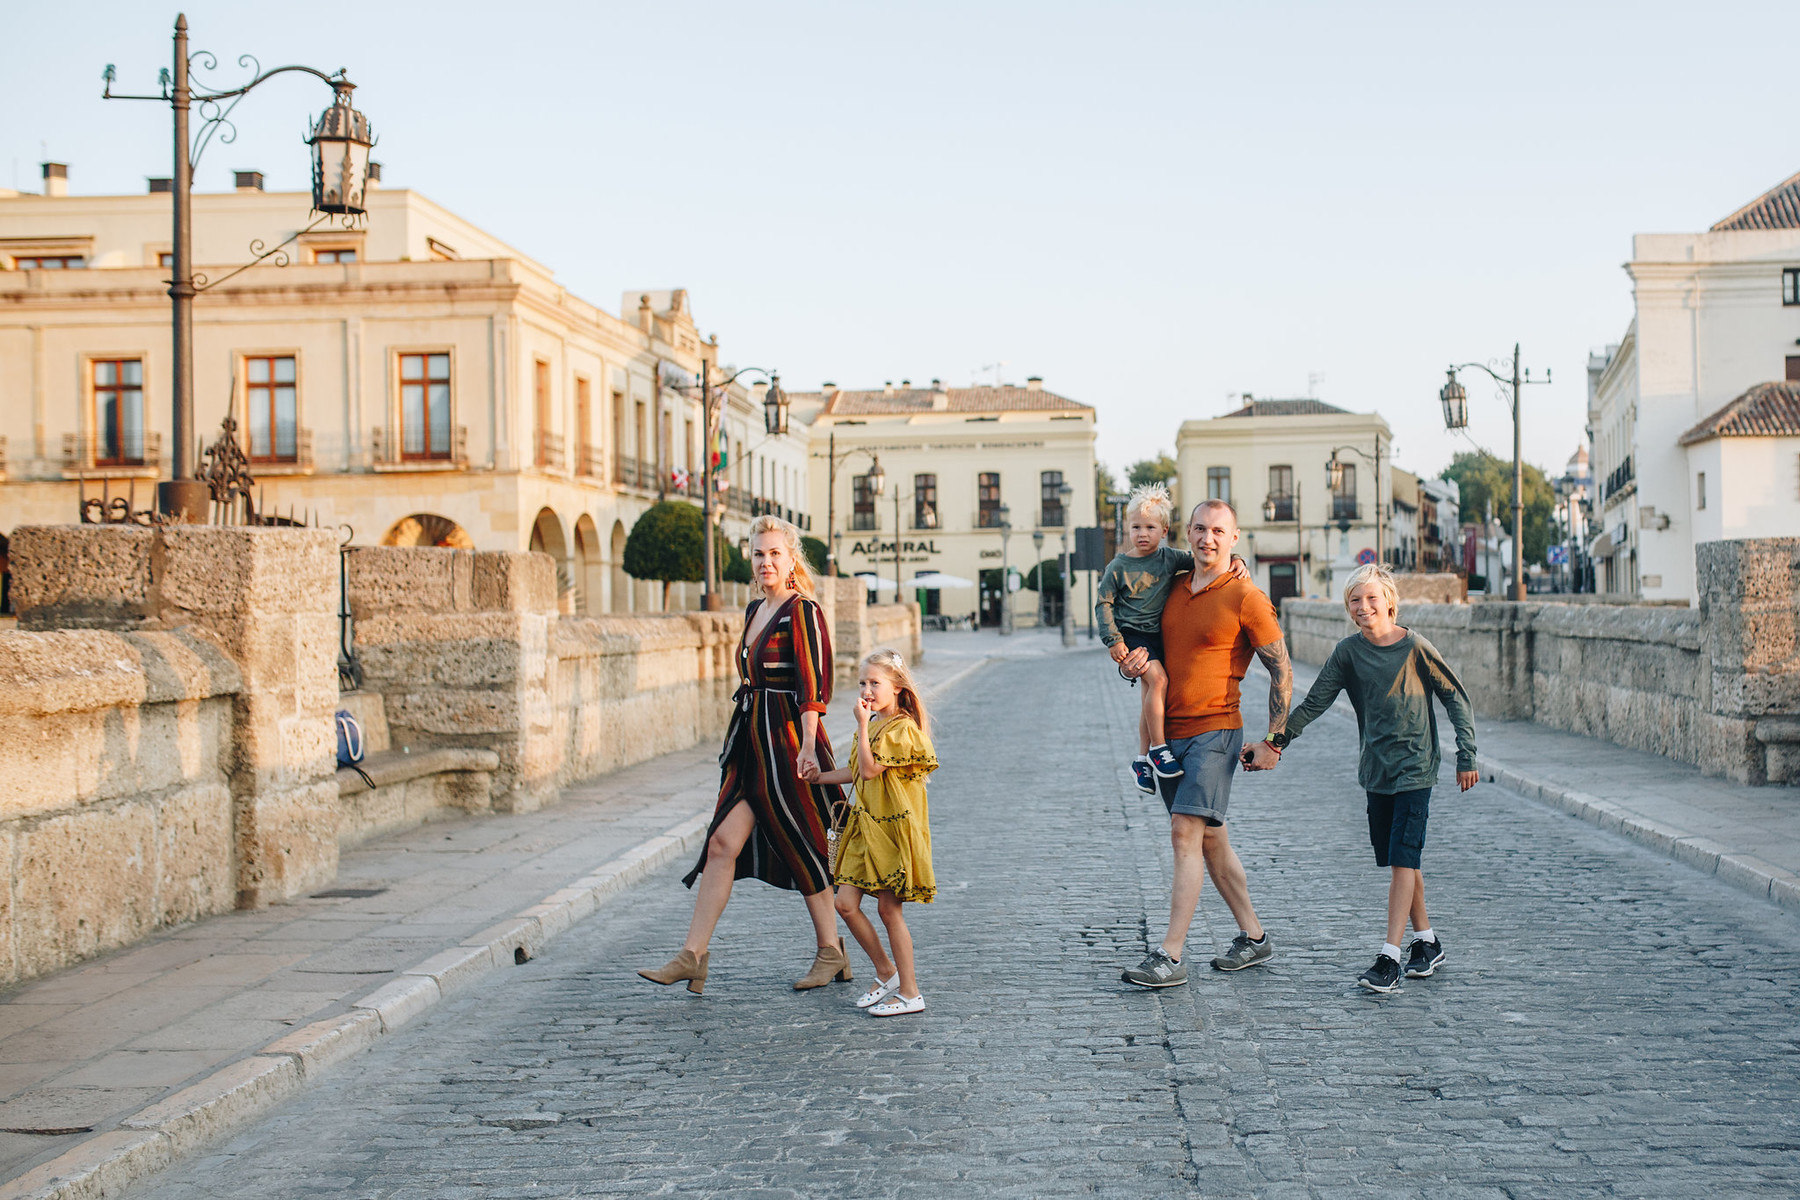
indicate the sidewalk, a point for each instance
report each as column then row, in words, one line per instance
column 1749, row 837
column 110, row 1069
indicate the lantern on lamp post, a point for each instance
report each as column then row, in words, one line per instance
column 775, row 408
column 1456, row 403
column 340, row 143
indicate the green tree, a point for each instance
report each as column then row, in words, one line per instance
column 667, row 544
column 1105, row 484
column 1480, row 477
column 1160, row 469
column 1049, row 572
column 736, row 568
column 816, row 554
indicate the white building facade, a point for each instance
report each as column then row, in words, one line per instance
column 1717, row 315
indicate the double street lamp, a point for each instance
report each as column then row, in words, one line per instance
column 1006, row 616
column 1334, row 480
column 340, row 141
column 877, row 485
column 1455, row 400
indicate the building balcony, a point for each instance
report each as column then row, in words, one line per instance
column 1284, row 508
column 135, row 456
column 590, row 463
column 549, row 451
column 634, row 473
column 387, row 453
column 1345, row 508
column 925, row 521
column 299, row 462
column 986, row 518
column 864, row 522
column 1052, row 517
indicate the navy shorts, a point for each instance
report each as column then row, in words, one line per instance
column 1397, row 827
column 1205, row 790
column 1136, row 639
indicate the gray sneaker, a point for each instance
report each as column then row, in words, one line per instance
column 1156, row 971
column 1245, row 953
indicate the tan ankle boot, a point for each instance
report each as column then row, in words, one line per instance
column 831, row 963
column 684, row 965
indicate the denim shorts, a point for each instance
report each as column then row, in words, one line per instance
column 1205, row 790
column 1397, row 827
column 1135, row 639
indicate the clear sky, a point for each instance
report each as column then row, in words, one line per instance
column 1153, row 206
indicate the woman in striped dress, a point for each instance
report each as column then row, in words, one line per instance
column 770, row 824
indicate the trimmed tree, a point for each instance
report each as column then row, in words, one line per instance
column 737, row 567
column 816, row 554
column 667, row 544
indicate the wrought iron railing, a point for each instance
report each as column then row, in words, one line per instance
column 301, row 456
column 549, row 450
column 136, row 451
column 389, row 451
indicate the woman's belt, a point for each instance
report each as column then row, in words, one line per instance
column 742, row 696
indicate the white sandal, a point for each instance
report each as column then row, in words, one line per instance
column 899, row 1006
column 881, row 991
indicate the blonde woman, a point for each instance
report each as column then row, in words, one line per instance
column 770, row 822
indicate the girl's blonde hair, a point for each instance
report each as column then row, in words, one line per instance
column 1377, row 574
column 790, row 537
column 911, row 701
column 1152, row 499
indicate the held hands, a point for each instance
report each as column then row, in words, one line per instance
column 1118, row 650
column 806, row 763
column 1260, row 757
column 1135, row 663
column 1467, row 779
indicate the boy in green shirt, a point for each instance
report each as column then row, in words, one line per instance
column 1391, row 675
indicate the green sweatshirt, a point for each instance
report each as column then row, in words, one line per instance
column 1391, row 688
column 1133, row 591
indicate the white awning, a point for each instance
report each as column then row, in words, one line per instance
column 936, row 580
column 875, row 583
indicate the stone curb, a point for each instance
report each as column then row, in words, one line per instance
column 147, row 1141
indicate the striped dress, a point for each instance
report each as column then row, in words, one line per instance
column 786, row 671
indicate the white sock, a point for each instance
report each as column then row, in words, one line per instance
column 1391, row 950
column 1425, row 934
column 1145, row 757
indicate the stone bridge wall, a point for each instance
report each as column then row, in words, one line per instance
column 1717, row 686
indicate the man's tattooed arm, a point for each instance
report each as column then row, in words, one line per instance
column 1281, row 683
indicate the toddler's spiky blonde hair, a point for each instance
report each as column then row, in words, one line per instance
column 1154, row 500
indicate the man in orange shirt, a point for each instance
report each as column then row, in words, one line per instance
column 1212, row 624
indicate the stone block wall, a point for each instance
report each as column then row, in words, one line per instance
column 858, row 627
column 1717, row 686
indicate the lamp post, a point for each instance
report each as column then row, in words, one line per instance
column 712, row 412
column 1037, row 564
column 1334, row 471
column 1272, row 509
column 1067, row 494
column 1456, row 416
column 340, row 141
column 897, row 499
column 832, row 457
column 1006, row 621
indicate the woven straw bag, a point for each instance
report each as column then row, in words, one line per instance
column 834, row 837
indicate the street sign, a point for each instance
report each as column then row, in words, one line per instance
column 1365, row 556
column 1559, row 556
column 1090, row 550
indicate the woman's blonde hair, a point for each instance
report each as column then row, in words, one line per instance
column 911, row 701
column 790, row 537
column 1153, row 499
column 1377, row 574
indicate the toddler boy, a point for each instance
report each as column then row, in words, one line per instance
column 1391, row 675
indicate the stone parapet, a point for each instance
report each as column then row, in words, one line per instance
column 1717, row 686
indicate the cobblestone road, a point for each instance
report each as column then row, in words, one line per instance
column 1609, row 1023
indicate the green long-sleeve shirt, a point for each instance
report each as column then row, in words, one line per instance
column 1133, row 590
column 1391, row 689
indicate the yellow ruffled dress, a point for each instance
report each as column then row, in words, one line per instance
column 886, row 842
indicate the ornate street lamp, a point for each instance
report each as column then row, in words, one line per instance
column 1066, row 493
column 775, row 408
column 1456, row 416
column 877, row 476
column 1456, row 403
column 341, row 142
column 1006, row 619
column 712, row 413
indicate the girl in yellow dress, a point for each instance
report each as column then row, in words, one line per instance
column 885, row 847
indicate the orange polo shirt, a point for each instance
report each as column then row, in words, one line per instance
column 1208, row 642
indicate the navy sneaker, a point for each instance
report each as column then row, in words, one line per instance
column 1383, row 977
column 1164, row 762
column 1424, row 959
column 1145, row 776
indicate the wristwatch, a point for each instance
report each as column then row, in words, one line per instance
column 1279, row 741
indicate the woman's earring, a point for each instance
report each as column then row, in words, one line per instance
column 793, row 585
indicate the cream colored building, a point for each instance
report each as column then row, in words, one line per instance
column 1278, row 450
column 951, row 457
column 415, row 378
column 1694, row 431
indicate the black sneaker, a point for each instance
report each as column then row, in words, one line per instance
column 1424, row 958
column 1164, row 762
column 1383, row 977
column 1145, row 776
column 1156, row 971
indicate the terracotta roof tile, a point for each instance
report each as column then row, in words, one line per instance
column 1766, row 410
column 905, row 401
column 1777, row 208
